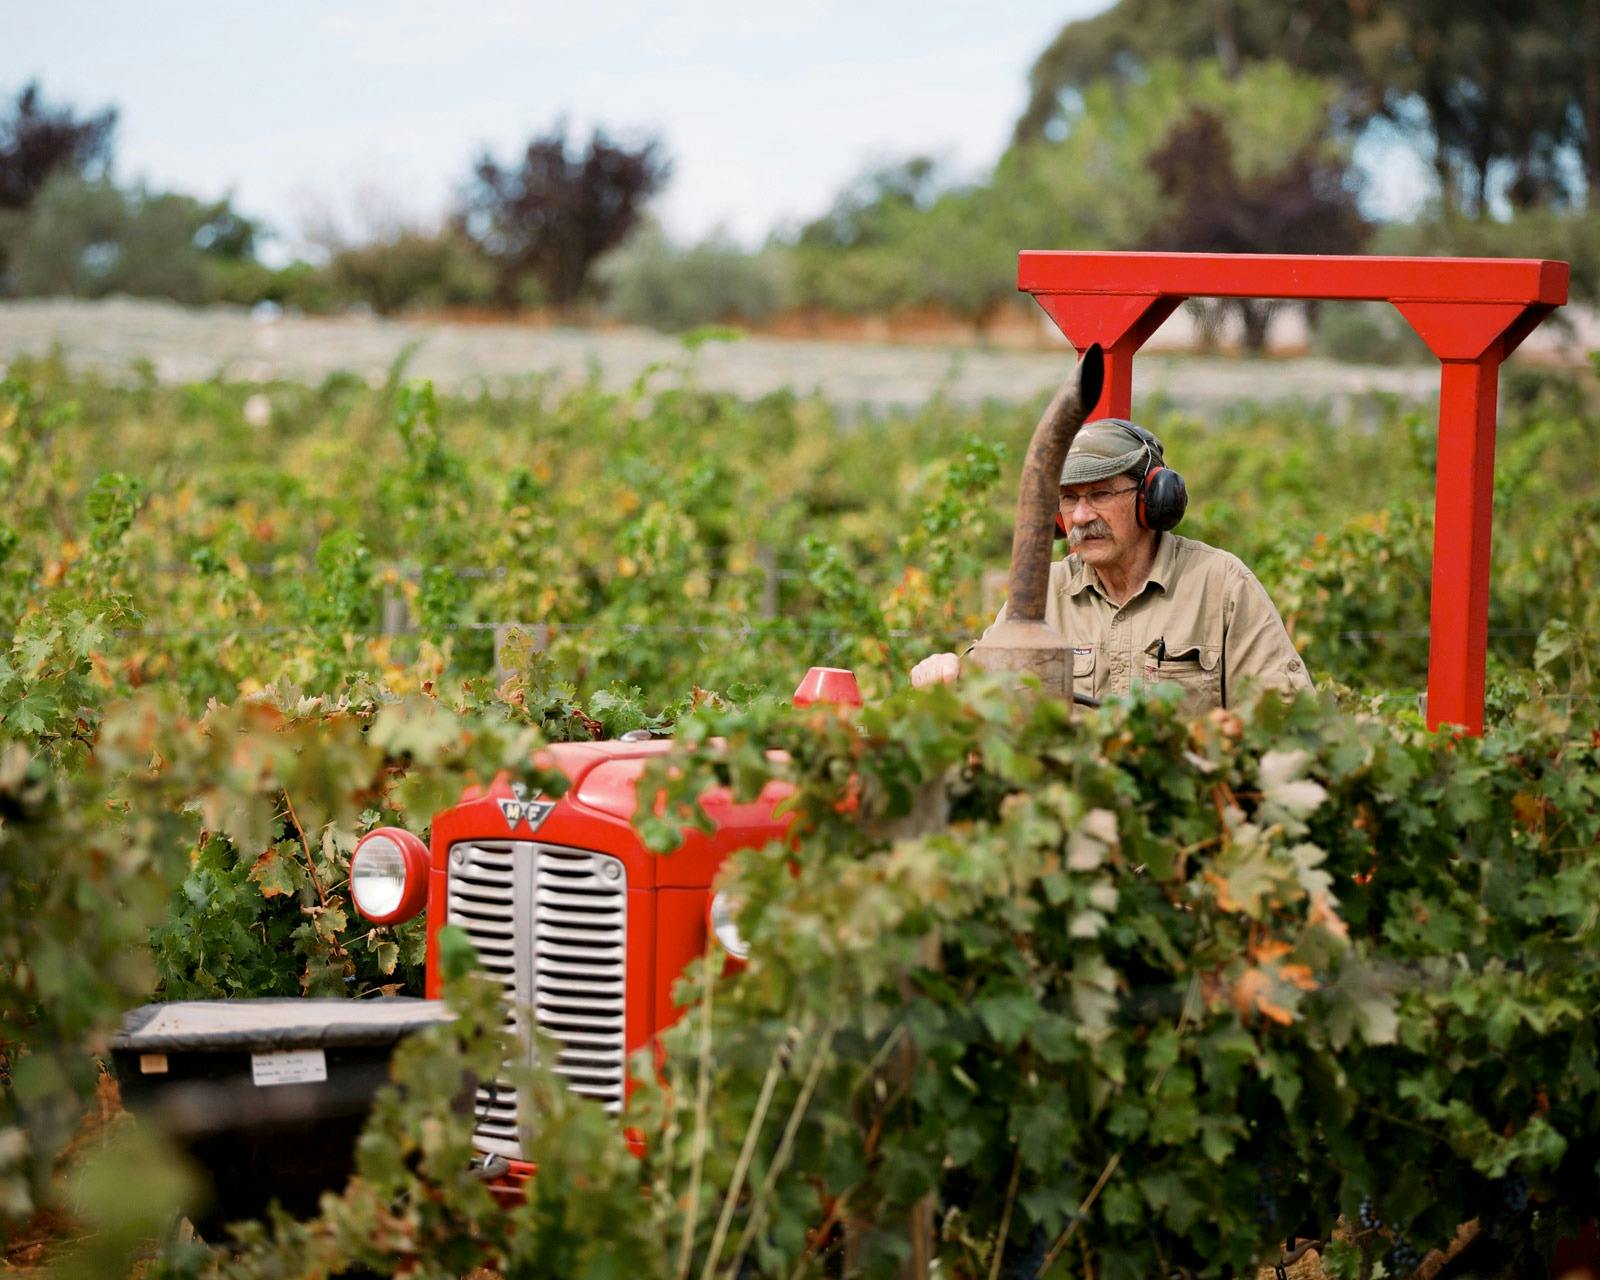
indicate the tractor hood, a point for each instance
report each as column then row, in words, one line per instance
column 597, row 811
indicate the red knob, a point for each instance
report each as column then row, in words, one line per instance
column 828, row 684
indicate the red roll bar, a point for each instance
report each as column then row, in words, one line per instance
column 1472, row 313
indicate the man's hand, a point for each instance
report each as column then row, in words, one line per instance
column 940, row 668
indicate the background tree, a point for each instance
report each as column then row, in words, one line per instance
column 413, row 268
column 87, row 238
column 1497, row 95
column 651, row 281
column 864, row 212
column 558, row 210
column 1497, row 87
column 38, row 141
column 901, row 238
column 1306, row 206
column 855, row 258
column 961, row 258
column 1585, row 49
column 1121, row 43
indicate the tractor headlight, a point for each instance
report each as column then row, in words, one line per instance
column 721, row 915
column 389, row 875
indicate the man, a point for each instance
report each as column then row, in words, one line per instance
column 1139, row 604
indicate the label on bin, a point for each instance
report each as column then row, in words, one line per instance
column 291, row 1066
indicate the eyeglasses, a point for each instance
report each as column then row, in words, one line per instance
column 1097, row 499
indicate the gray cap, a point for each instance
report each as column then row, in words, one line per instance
column 1105, row 448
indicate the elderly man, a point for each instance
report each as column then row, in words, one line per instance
column 1139, row 604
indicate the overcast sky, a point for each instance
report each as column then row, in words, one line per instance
column 766, row 108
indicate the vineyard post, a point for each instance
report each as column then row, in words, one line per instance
column 767, row 562
column 396, row 615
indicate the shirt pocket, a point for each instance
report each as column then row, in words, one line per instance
column 1195, row 668
column 1083, row 664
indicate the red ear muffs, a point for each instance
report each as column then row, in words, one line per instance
column 1162, row 499
column 1141, row 499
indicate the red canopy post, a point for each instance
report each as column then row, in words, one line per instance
column 1472, row 313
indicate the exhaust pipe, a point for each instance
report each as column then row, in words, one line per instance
column 1022, row 642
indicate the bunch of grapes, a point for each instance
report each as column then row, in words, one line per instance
column 1024, row 1263
column 1267, row 1206
column 1502, row 1216
column 1403, row 1255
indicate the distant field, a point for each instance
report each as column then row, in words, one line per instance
column 185, row 345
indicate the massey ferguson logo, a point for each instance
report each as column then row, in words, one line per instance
column 517, row 810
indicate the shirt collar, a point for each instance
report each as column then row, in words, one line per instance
column 1081, row 577
column 1166, row 561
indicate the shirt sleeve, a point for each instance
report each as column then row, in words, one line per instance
column 1255, row 644
column 1059, row 572
column 998, row 619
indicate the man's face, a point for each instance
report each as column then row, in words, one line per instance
column 1102, row 527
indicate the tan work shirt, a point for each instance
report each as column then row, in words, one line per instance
column 1202, row 622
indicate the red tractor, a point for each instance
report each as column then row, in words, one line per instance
column 585, row 927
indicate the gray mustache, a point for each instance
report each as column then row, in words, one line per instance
column 1094, row 529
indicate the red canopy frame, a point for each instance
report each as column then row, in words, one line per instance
column 1472, row 313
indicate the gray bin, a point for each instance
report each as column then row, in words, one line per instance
column 267, row 1096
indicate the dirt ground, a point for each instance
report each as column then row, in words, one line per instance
column 30, row 1249
column 182, row 345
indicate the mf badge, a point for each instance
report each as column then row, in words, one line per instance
column 518, row 810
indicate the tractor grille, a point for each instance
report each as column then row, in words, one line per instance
column 551, row 925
